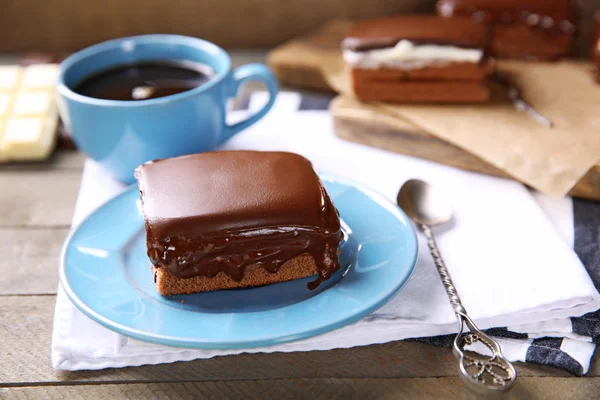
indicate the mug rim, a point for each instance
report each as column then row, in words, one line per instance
column 77, row 57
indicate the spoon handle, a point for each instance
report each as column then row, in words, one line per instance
column 482, row 373
column 443, row 271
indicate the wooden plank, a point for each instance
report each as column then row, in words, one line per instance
column 301, row 61
column 61, row 159
column 321, row 388
column 588, row 187
column 29, row 260
column 595, row 365
column 38, row 197
column 66, row 159
column 70, row 25
column 25, row 335
column 241, row 57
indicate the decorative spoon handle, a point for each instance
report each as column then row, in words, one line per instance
column 480, row 372
column 443, row 271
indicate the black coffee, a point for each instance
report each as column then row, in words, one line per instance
column 142, row 81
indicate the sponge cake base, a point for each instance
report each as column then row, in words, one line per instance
column 298, row 267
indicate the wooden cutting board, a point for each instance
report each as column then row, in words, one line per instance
column 298, row 63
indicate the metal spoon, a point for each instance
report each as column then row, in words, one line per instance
column 427, row 208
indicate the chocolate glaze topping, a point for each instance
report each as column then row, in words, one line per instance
column 222, row 211
column 421, row 29
column 549, row 15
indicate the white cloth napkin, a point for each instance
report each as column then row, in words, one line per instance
column 510, row 264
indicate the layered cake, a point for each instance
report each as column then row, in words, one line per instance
column 419, row 59
column 534, row 29
column 231, row 219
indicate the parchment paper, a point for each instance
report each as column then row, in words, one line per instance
column 551, row 160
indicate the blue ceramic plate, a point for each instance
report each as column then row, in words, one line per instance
column 106, row 274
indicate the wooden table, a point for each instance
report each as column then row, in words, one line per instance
column 36, row 206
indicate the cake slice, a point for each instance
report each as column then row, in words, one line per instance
column 419, row 59
column 539, row 30
column 231, row 219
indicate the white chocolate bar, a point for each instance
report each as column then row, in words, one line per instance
column 40, row 76
column 5, row 104
column 10, row 77
column 29, row 139
column 28, row 113
column 32, row 103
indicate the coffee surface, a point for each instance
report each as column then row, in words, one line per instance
column 143, row 81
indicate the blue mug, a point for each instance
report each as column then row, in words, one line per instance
column 124, row 134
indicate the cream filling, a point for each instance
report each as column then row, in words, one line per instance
column 407, row 55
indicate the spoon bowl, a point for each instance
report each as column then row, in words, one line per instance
column 423, row 203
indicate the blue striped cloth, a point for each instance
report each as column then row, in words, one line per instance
column 546, row 350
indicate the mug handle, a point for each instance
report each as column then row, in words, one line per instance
column 243, row 74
